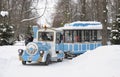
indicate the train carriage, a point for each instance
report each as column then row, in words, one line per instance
column 81, row 36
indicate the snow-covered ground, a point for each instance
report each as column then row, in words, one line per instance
column 101, row 62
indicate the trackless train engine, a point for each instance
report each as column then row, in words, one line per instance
column 44, row 49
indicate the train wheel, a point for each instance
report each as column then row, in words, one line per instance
column 48, row 60
column 60, row 60
column 24, row 62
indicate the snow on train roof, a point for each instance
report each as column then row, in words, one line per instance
column 83, row 25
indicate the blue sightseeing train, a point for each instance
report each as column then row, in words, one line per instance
column 55, row 44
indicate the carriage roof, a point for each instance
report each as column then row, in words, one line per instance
column 82, row 25
column 50, row 29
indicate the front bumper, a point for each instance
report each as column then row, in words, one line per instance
column 27, row 58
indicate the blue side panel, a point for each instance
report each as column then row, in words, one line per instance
column 99, row 44
column 65, row 47
column 75, row 47
column 80, row 48
column 56, row 47
column 88, row 46
column 60, row 56
column 59, row 47
column 92, row 46
column 35, row 29
column 70, row 47
column 84, row 47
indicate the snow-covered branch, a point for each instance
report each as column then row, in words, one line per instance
column 33, row 18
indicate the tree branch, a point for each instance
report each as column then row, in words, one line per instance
column 33, row 18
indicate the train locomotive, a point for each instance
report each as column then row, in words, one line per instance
column 44, row 49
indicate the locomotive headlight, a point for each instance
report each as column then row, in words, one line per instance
column 41, row 52
column 20, row 51
column 32, row 48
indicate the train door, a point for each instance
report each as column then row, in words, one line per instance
column 59, row 41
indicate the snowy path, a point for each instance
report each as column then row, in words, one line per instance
column 14, row 67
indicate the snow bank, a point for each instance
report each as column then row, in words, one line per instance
column 101, row 62
column 7, row 55
column 19, row 43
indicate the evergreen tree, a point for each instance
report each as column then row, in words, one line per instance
column 115, row 32
column 6, row 33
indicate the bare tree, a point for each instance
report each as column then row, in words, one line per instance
column 19, row 10
column 83, row 15
column 104, row 22
column 65, row 13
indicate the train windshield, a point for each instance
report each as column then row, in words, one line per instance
column 45, row 36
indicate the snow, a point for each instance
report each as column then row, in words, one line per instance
column 114, row 31
column 101, row 62
column 19, row 43
column 4, row 13
column 114, row 37
column 117, row 19
column 4, row 30
column 29, row 19
column 83, row 25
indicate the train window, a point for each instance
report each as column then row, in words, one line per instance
column 45, row 36
column 82, row 34
column 87, row 35
column 59, row 38
column 75, row 36
column 79, row 36
column 71, row 36
column 96, row 35
column 68, row 35
column 99, row 35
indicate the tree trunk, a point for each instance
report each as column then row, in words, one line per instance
column 104, row 23
column 83, row 16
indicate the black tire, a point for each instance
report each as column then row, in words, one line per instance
column 59, row 60
column 24, row 62
column 48, row 60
